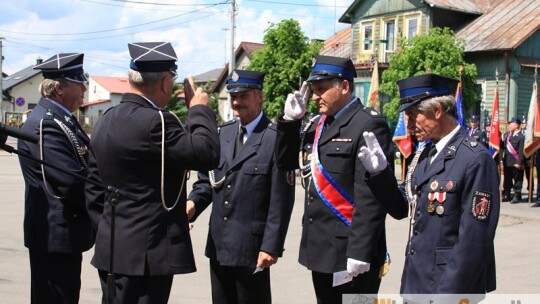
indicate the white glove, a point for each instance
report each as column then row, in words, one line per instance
column 372, row 157
column 296, row 103
column 356, row 267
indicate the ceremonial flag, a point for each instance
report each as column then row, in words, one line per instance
column 532, row 134
column 402, row 138
column 494, row 131
column 373, row 96
column 459, row 106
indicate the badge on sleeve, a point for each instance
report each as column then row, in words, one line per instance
column 481, row 204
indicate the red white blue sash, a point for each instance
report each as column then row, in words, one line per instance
column 339, row 202
column 511, row 148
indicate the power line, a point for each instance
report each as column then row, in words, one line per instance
column 296, row 4
column 113, row 30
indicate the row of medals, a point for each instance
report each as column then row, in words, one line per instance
column 431, row 208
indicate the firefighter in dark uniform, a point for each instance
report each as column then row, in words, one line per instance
column 57, row 228
column 343, row 223
column 251, row 199
column 452, row 192
column 144, row 150
column 513, row 161
column 484, row 139
column 474, row 130
column 528, row 161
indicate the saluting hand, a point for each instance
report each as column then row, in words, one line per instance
column 194, row 96
column 296, row 103
column 372, row 156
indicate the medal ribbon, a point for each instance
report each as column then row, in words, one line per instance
column 510, row 148
column 339, row 202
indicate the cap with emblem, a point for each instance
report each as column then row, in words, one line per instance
column 417, row 88
column 515, row 120
column 65, row 65
column 243, row 80
column 524, row 119
column 152, row 57
column 487, row 122
column 328, row 67
column 475, row 118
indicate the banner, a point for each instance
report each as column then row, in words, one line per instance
column 494, row 131
column 402, row 138
column 532, row 134
column 459, row 106
column 373, row 96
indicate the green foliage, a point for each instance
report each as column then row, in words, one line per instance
column 439, row 52
column 286, row 58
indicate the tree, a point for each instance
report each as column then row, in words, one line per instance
column 286, row 59
column 439, row 52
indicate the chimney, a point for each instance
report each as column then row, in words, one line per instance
column 39, row 60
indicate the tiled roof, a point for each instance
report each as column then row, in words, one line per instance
column 18, row 77
column 338, row 43
column 468, row 6
column 118, row 85
column 504, row 27
column 95, row 102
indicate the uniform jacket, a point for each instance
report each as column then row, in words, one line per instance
column 452, row 252
column 476, row 133
column 518, row 142
column 55, row 225
column 126, row 153
column 252, row 208
column 327, row 242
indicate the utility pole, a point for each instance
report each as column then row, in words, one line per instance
column 232, row 64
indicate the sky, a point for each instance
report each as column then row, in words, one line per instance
column 199, row 30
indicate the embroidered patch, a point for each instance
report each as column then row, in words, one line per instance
column 481, row 205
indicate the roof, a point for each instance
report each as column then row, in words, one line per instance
column 246, row 47
column 208, row 76
column 466, row 6
column 340, row 39
column 95, row 102
column 18, row 77
column 115, row 85
column 505, row 27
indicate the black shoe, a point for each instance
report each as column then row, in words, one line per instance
column 537, row 204
column 514, row 200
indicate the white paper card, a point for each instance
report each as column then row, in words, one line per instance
column 258, row 269
column 341, row 277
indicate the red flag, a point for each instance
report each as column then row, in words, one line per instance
column 532, row 134
column 494, row 131
column 402, row 138
column 373, row 96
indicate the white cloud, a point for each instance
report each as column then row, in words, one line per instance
column 198, row 38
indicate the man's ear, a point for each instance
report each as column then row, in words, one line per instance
column 437, row 111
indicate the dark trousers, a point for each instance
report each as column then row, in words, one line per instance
column 55, row 278
column 137, row 289
column 366, row 283
column 513, row 178
column 238, row 285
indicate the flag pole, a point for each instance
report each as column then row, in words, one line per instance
column 533, row 158
column 499, row 153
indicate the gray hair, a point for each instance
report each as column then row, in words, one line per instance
column 447, row 102
column 46, row 87
column 147, row 79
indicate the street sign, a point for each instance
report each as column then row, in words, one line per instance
column 20, row 101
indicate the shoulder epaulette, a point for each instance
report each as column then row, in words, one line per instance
column 230, row 122
column 371, row 112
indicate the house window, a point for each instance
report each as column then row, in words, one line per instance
column 412, row 27
column 389, row 31
column 367, row 37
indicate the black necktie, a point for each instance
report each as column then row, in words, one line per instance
column 239, row 140
column 431, row 154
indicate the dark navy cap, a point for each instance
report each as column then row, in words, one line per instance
column 152, row 57
column 328, row 67
column 515, row 120
column 66, row 65
column 475, row 118
column 243, row 80
column 417, row 88
column 523, row 119
column 487, row 122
